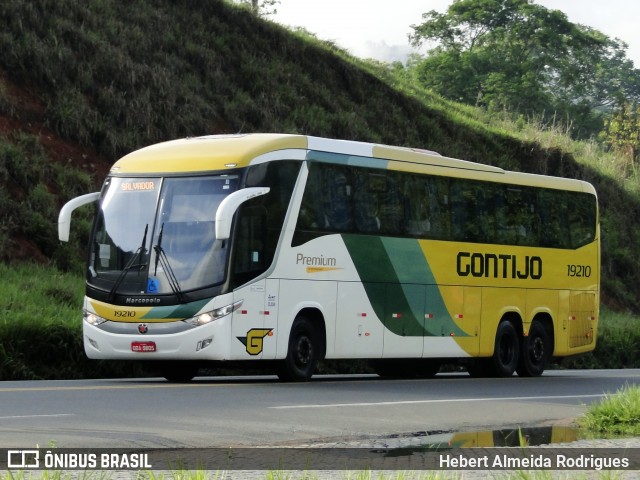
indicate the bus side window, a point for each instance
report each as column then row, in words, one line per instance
column 337, row 198
column 390, row 206
column 364, row 203
column 260, row 220
column 553, row 216
column 416, row 199
column 582, row 218
column 250, row 252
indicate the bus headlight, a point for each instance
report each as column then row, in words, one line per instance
column 213, row 315
column 92, row 318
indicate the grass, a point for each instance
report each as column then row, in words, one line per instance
column 40, row 327
column 617, row 414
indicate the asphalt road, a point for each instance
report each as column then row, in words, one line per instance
column 239, row 411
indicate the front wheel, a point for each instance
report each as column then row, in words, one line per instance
column 535, row 352
column 303, row 353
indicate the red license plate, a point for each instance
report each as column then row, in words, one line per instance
column 143, row 347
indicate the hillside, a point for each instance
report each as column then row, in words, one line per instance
column 82, row 83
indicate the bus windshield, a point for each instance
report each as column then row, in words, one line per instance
column 156, row 236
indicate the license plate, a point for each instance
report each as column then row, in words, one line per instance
column 143, row 347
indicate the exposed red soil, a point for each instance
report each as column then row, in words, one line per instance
column 25, row 112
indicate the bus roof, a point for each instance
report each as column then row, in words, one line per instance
column 221, row 152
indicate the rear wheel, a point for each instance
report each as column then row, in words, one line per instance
column 535, row 351
column 303, row 353
column 505, row 357
column 506, row 351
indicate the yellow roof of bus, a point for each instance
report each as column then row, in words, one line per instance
column 221, row 152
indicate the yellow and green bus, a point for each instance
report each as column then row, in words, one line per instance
column 290, row 249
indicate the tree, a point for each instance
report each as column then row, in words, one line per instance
column 260, row 8
column 516, row 55
column 622, row 131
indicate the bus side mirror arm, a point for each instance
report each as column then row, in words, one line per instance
column 228, row 206
column 64, row 218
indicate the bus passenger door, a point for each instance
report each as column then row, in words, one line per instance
column 248, row 323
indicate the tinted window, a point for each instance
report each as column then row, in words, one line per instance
column 347, row 199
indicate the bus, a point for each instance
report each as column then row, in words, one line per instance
column 291, row 249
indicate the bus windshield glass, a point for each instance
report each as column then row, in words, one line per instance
column 157, row 236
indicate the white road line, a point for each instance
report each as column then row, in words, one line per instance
column 38, row 416
column 446, row 400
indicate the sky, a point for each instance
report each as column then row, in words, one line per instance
column 379, row 28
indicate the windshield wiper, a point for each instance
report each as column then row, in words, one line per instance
column 161, row 257
column 131, row 264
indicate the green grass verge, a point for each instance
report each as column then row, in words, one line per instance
column 616, row 415
column 40, row 329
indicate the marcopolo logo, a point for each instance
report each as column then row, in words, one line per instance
column 490, row 265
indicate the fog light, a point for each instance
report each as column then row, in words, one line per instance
column 93, row 343
column 204, row 343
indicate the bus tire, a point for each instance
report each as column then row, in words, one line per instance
column 506, row 353
column 303, row 353
column 179, row 372
column 535, row 351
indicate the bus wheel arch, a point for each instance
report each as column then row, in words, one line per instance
column 536, row 348
column 305, row 348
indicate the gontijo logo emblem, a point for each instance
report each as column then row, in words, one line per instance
column 254, row 341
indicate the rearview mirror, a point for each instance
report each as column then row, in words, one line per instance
column 228, row 206
column 64, row 218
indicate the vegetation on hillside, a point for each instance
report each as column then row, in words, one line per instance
column 108, row 76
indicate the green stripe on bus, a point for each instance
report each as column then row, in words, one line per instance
column 187, row 310
column 400, row 285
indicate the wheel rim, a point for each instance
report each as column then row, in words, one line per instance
column 536, row 351
column 304, row 351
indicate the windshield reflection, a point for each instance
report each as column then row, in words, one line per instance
column 180, row 255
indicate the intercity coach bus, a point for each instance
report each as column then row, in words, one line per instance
column 290, row 249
